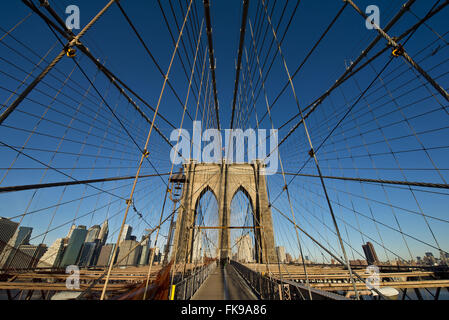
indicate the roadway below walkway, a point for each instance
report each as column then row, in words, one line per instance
column 224, row 284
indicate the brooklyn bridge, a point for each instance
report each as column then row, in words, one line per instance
column 224, row 150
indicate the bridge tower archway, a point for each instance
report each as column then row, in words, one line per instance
column 224, row 181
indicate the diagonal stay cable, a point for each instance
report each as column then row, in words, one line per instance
column 58, row 58
column 144, row 152
column 149, row 53
column 146, row 146
column 54, row 169
column 111, row 76
column 314, row 151
column 348, row 73
column 71, row 183
column 362, row 95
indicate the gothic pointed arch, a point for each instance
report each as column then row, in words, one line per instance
column 224, row 181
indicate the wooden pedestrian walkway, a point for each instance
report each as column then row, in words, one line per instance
column 224, row 284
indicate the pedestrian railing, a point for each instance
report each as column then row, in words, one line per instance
column 187, row 287
column 268, row 288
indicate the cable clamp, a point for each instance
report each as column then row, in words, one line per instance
column 129, row 201
column 312, row 153
column 146, row 153
column 398, row 51
column 70, row 52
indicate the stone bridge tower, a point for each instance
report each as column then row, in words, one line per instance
column 224, row 181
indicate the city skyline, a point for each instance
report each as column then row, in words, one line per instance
column 244, row 248
column 82, row 247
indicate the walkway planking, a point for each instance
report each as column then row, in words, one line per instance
column 224, row 284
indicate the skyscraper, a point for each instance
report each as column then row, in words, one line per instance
column 52, row 257
column 167, row 247
column 93, row 233
column 370, row 254
column 27, row 256
column 7, row 230
column 87, row 254
column 156, row 253
column 104, row 231
column 126, row 234
column 105, row 255
column 280, row 251
column 73, row 227
column 74, row 246
column 128, row 247
column 21, row 237
column 145, row 251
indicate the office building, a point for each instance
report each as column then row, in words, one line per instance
column 7, row 230
column 74, row 246
column 126, row 233
column 151, row 255
column 27, row 256
column 280, row 251
column 93, row 233
column 155, row 252
column 145, row 252
column 370, row 254
column 73, row 227
column 128, row 254
column 20, row 237
column 98, row 245
column 105, row 255
column 52, row 257
column 167, row 247
column 87, row 254
column 104, row 231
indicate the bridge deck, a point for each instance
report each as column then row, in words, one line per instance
column 224, row 284
column 336, row 278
